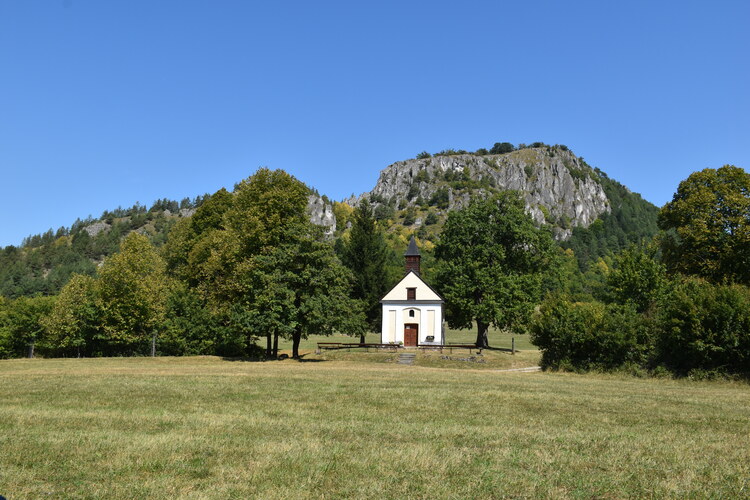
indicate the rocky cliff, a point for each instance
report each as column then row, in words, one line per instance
column 559, row 188
column 321, row 213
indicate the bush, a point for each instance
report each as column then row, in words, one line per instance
column 590, row 335
column 502, row 148
column 704, row 328
column 441, row 198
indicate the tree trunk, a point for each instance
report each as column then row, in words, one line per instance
column 78, row 351
column 296, row 337
column 153, row 345
column 269, row 351
column 362, row 338
column 276, row 344
column 31, row 349
column 482, row 335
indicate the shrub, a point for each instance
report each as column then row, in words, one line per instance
column 413, row 191
column 705, row 327
column 590, row 335
column 441, row 198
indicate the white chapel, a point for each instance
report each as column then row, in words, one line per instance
column 412, row 310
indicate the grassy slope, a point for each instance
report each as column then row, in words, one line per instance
column 208, row 428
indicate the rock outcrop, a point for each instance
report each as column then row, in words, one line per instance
column 321, row 213
column 558, row 188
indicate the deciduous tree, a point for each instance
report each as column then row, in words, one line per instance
column 75, row 320
column 133, row 289
column 491, row 263
column 708, row 225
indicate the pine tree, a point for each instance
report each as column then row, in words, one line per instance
column 366, row 254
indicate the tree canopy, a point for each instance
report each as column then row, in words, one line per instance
column 491, row 263
column 708, row 225
column 367, row 255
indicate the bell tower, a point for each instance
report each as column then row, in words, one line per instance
column 412, row 257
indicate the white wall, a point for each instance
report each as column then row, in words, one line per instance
column 429, row 317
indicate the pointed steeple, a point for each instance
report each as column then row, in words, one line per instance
column 412, row 256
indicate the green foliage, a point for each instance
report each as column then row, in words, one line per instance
column 501, row 148
column 21, row 325
column 637, row 278
column 491, row 264
column 384, row 211
column 74, row 324
column 441, row 198
column 685, row 327
column 413, row 191
column 704, row 326
column 367, row 256
column 708, row 224
column 422, row 176
column 451, row 152
column 133, row 287
column 432, row 218
column 632, row 220
column 410, row 216
column 191, row 329
column 591, row 335
column 423, row 155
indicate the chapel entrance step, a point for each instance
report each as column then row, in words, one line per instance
column 406, row 358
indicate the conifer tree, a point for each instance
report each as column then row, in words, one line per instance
column 367, row 255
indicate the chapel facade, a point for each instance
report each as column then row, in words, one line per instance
column 412, row 310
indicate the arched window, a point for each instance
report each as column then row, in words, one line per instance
column 411, row 313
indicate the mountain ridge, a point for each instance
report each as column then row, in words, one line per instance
column 411, row 196
column 558, row 188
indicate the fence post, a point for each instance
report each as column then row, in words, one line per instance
column 512, row 345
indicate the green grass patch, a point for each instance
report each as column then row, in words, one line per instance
column 500, row 339
column 204, row 427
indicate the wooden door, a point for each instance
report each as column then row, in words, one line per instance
column 411, row 334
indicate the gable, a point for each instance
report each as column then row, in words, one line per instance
column 412, row 280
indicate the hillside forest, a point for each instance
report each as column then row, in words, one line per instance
column 641, row 289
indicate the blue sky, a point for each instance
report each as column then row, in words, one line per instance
column 105, row 103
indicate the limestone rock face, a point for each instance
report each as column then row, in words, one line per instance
column 96, row 228
column 558, row 188
column 321, row 213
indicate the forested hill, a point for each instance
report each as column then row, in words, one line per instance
column 45, row 262
column 588, row 212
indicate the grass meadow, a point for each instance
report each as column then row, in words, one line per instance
column 205, row 427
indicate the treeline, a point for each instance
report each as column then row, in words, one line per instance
column 498, row 148
column 45, row 262
column 632, row 220
column 247, row 265
column 680, row 305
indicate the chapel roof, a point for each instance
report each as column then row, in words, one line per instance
column 412, row 250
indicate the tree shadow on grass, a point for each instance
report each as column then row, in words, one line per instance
column 501, row 349
column 269, row 360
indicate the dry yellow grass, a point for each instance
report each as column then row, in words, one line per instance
column 209, row 428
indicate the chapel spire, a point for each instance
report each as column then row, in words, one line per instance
column 412, row 256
